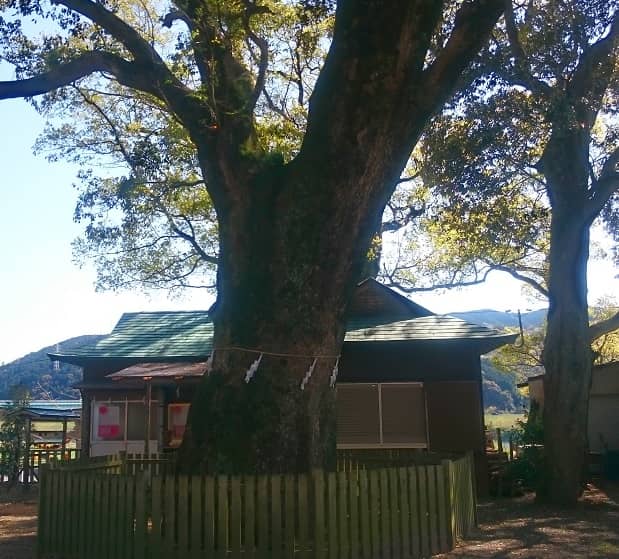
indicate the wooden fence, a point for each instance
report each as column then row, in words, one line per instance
column 395, row 513
column 25, row 469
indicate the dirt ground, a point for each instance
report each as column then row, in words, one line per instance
column 508, row 528
column 18, row 528
column 517, row 528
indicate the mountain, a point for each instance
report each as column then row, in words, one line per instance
column 36, row 372
column 498, row 319
column 499, row 389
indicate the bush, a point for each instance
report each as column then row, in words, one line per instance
column 528, row 435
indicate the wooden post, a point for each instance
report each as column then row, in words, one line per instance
column 27, row 452
column 149, row 397
column 64, row 437
column 499, row 440
column 85, row 419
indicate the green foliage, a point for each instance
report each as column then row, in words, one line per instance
column 13, row 433
column 499, row 389
column 529, row 437
column 486, row 198
column 606, row 347
column 148, row 219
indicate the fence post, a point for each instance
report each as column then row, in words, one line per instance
column 122, row 455
column 449, row 498
column 471, row 461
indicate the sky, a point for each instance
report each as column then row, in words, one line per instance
column 45, row 298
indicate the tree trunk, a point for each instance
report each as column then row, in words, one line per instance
column 567, row 349
column 285, row 279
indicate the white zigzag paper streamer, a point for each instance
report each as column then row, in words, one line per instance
column 252, row 369
column 334, row 373
column 308, row 375
column 209, row 363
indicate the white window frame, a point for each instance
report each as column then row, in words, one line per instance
column 116, row 402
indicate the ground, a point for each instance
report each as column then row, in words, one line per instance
column 18, row 526
column 519, row 529
column 508, row 528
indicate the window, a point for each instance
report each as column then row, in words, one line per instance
column 109, row 421
column 177, row 420
column 122, row 420
column 381, row 415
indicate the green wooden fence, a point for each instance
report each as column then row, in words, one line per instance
column 396, row 513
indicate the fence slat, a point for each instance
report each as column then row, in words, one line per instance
column 289, row 516
column 235, row 517
column 276, row 517
column 424, row 524
column 396, row 537
column 250, row 516
column 413, row 503
column 169, row 516
column 196, row 516
column 433, row 510
column 342, row 498
column 302, row 514
column 404, row 513
column 139, row 537
column 182, row 498
column 375, row 514
column 332, row 516
column 353, row 496
column 319, row 515
column 264, row 543
column 223, row 516
column 209, row 517
column 443, row 511
column 385, row 527
column 364, row 514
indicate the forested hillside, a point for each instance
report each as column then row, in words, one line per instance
column 36, row 372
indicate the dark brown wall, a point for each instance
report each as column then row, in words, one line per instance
column 408, row 361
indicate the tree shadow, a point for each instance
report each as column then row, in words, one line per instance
column 520, row 528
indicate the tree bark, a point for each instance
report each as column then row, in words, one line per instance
column 567, row 352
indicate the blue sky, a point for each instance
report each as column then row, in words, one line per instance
column 45, row 298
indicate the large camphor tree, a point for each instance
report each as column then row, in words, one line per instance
column 292, row 234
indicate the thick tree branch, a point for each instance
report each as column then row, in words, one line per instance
column 139, row 47
column 472, row 25
column 263, row 47
column 598, row 329
column 589, row 81
column 521, row 277
column 88, row 63
column 604, row 187
column 523, row 72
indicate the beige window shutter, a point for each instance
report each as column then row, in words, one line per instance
column 404, row 414
column 358, row 414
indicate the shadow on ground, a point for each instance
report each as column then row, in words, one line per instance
column 518, row 528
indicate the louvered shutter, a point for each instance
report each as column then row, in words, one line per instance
column 358, row 420
column 404, row 414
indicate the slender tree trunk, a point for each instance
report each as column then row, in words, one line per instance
column 567, row 348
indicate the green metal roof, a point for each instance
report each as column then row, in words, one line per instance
column 434, row 327
column 147, row 335
column 172, row 335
